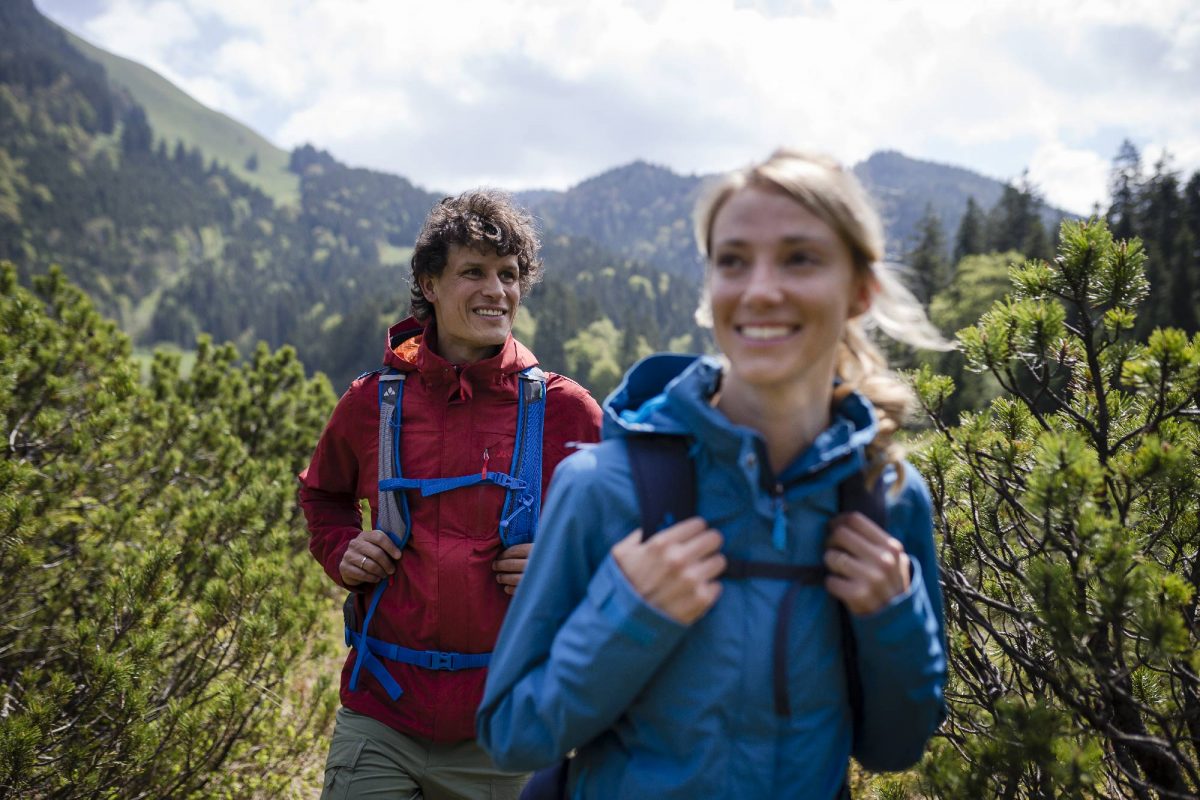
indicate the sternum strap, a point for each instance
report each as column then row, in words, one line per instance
column 797, row 576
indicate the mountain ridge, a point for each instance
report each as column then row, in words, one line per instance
column 658, row 231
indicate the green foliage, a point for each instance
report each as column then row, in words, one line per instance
column 592, row 354
column 159, row 601
column 971, row 238
column 1070, row 540
column 1015, row 222
column 596, row 315
column 927, row 257
column 1166, row 215
column 979, row 281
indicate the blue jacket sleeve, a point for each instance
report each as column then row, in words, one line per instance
column 901, row 648
column 578, row 643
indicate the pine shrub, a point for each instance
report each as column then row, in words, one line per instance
column 159, row 611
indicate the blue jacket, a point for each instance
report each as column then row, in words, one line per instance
column 662, row 710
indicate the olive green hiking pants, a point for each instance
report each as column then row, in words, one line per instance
column 371, row 761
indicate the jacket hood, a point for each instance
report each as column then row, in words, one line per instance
column 669, row 393
column 411, row 345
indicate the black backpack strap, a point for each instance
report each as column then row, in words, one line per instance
column 665, row 482
column 664, row 479
column 855, row 495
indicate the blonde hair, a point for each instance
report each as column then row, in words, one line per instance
column 831, row 192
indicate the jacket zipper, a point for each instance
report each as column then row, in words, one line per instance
column 779, row 528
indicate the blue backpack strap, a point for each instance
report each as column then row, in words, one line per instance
column 522, row 506
column 393, row 520
column 393, row 505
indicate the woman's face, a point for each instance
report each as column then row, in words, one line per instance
column 782, row 285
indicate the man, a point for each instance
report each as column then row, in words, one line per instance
column 431, row 582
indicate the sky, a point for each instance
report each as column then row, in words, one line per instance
column 545, row 93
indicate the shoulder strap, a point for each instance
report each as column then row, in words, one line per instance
column 664, row 479
column 393, row 506
column 392, row 520
column 375, row 371
column 519, row 517
column 855, row 495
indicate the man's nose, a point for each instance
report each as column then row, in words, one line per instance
column 492, row 286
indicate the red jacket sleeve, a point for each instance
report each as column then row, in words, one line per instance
column 329, row 487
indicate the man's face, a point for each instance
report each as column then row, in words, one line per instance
column 474, row 300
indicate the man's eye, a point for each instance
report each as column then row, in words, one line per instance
column 508, row 276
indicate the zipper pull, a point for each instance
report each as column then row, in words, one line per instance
column 779, row 529
column 483, row 474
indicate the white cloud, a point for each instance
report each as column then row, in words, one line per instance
column 147, row 32
column 537, row 92
column 1071, row 179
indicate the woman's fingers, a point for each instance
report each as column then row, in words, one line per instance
column 863, row 585
column 867, row 566
column 676, row 569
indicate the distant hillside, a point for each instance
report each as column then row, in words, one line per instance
column 176, row 117
column 903, row 187
column 640, row 210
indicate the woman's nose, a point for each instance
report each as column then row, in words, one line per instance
column 763, row 282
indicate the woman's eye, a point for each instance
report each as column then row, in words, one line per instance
column 728, row 260
column 508, row 276
column 800, row 258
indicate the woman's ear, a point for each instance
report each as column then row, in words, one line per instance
column 864, row 289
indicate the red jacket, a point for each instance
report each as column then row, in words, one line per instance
column 445, row 595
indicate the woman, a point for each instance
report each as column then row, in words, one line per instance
column 637, row 651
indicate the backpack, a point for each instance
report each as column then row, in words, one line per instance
column 665, row 482
column 518, row 518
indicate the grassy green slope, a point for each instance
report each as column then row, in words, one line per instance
column 175, row 116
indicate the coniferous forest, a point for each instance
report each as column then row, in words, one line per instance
column 174, row 329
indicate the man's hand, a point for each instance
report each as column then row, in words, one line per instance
column 675, row 570
column 867, row 567
column 369, row 558
column 510, row 566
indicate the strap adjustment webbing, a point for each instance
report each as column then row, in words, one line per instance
column 427, row 659
column 431, row 486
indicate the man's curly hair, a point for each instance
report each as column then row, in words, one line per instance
column 483, row 219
